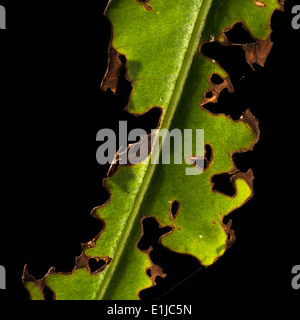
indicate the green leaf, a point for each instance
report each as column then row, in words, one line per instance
column 161, row 41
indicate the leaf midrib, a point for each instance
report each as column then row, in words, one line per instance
column 166, row 123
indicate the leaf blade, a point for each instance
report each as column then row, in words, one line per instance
column 177, row 86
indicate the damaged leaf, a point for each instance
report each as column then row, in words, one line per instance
column 161, row 42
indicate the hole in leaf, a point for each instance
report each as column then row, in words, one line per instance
column 151, row 233
column 208, row 94
column 230, row 58
column 170, row 262
column 239, row 35
column 96, row 264
column 48, row 293
column 208, row 156
column 243, row 160
column 242, row 78
column 221, row 183
column 175, row 207
column 158, row 280
column 148, row 271
column 216, row 79
column 147, row 121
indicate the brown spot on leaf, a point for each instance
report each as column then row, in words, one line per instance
column 144, row 3
column 259, row 4
column 155, row 271
column 257, row 52
column 252, row 122
column 90, row 244
column 114, row 68
column 230, row 234
column 81, row 261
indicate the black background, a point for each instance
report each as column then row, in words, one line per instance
column 53, row 58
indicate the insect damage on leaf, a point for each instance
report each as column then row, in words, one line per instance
column 212, row 94
column 175, row 207
column 208, row 156
column 155, row 271
column 150, row 225
column 260, row 4
column 144, row 3
column 256, row 52
column 181, row 81
column 230, row 234
column 112, row 75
